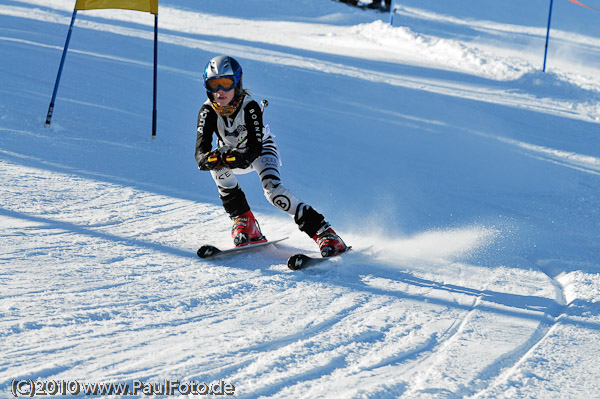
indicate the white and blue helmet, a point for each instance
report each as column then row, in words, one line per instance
column 223, row 66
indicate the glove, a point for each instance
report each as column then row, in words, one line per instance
column 233, row 159
column 211, row 161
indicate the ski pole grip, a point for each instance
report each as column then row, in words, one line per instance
column 263, row 104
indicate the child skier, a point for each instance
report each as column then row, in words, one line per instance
column 244, row 145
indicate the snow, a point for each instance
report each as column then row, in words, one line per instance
column 465, row 178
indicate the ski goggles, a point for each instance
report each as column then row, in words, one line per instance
column 225, row 83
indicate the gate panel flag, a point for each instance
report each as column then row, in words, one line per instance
column 150, row 6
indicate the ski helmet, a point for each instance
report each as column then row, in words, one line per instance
column 223, row 67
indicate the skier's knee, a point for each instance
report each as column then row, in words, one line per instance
column 278, row 195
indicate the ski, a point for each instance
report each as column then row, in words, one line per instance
column 301, row 261
column 210, row 251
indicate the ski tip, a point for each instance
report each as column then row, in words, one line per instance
column 207, row 251
column 298, row 261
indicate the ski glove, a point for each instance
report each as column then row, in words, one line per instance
column 211, row 161
column 233, row 159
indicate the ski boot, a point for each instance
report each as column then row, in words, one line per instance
column 329, row 242
column 246, row 230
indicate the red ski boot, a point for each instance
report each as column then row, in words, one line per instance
column 329, row 242
column 246, row 230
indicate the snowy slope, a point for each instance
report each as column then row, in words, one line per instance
column 465, row 177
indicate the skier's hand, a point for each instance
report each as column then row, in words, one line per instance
column 234, row 159
column 211, row 161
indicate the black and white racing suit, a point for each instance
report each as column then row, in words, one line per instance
column 244, row 131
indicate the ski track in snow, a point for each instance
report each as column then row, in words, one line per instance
column 133, row 228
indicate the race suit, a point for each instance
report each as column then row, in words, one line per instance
column 245, row 132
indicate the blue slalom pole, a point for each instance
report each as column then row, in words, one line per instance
column 60, row 68
column 392, row 6
column 547, row 36
column 155, row 75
